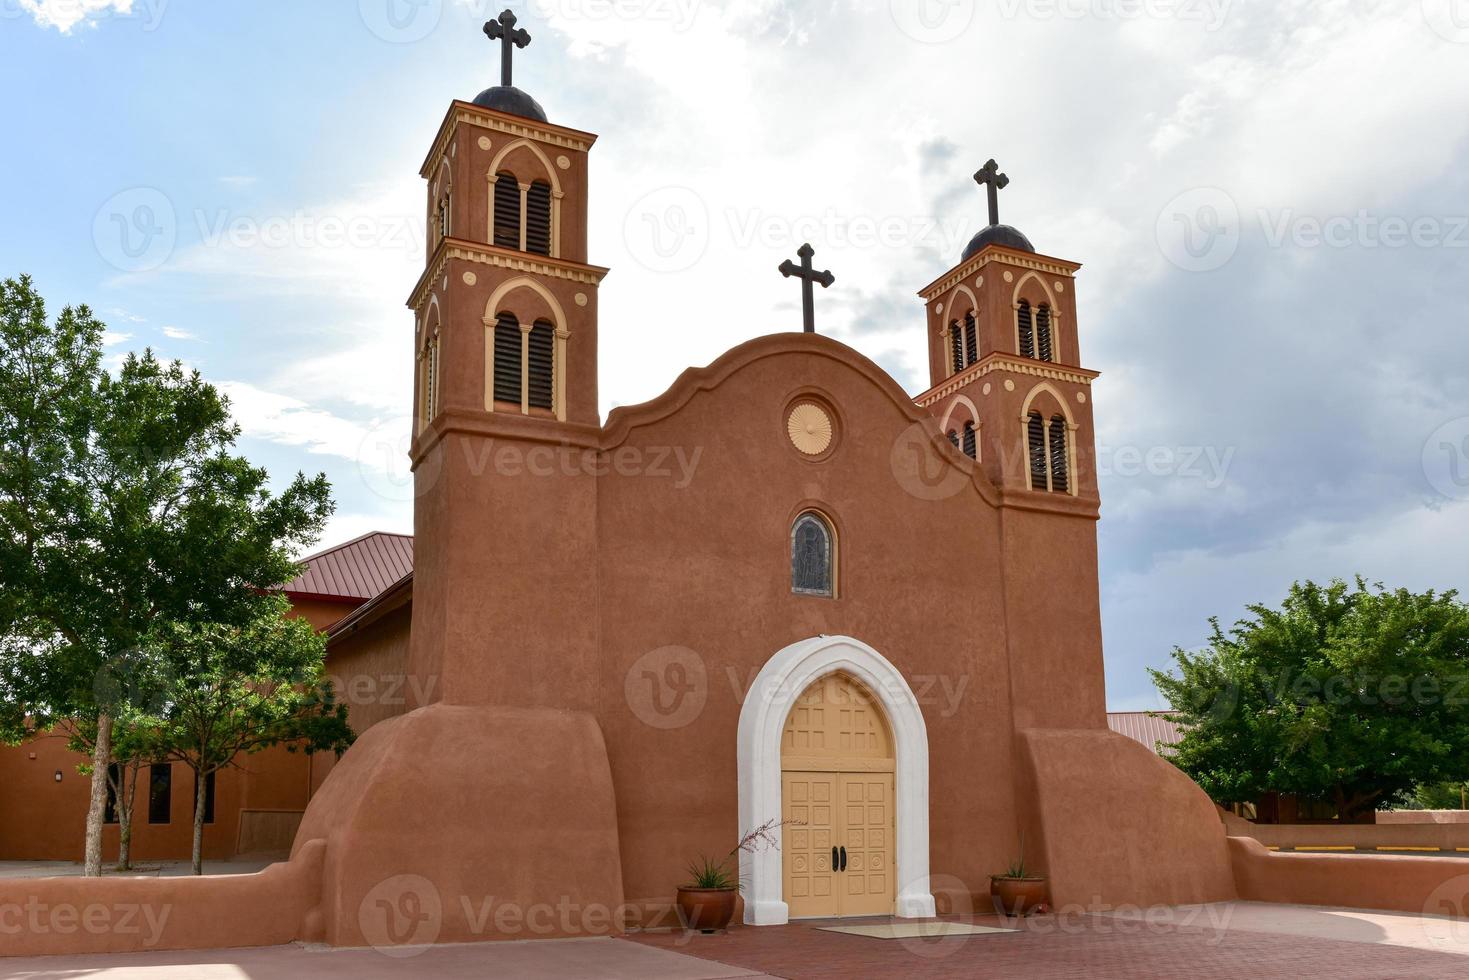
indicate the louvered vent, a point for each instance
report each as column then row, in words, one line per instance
column 1036, row 436
column 538, row 218
column 1027, row 329
column 971, row 448
column 971, row 339
column 954, row 438
column 1059, row 461
column 542, row 364
column 1043, row 332
column 507, row 359
column 507, row 211
column 956, row 342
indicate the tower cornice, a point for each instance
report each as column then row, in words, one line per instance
column 500, row 258
column 501, row 122
column 997, row 253
column 1005, row 362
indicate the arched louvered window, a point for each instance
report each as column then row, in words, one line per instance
column 971, row 339
column 1025, row 320
column 507, row 211
column 1060, row 462
column 538, row 218
column 1036, row 440
column 507, row 358
column 971, row 446
column 813, row 556
column 542, row 366
column 956, row 346
column 1043, row 332
column 443, row 217
column 954, row 438
column 430, row 385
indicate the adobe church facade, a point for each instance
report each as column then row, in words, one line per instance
column 872, row 616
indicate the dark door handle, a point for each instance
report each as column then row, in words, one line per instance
column 834, row 860
column 844, row 857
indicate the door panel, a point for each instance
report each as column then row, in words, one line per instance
column 865, row 829
column 810, row 797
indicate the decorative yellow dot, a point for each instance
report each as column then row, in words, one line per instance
column 1009, row 276
column 986, row 389
column 581, row 299
column 1009, row 385
column 940, row 308
column 1060, row 286
column 564, row 162
column 809, row 428
column 979, row 283
column 470, row 279
column 484, row 142
column 1081, row 397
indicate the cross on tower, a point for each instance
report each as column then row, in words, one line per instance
column 504, row 31
column 989, row 175
column 807, row 276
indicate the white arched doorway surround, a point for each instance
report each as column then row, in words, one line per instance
column 762, row 719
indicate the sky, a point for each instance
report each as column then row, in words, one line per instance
column 1270, row 200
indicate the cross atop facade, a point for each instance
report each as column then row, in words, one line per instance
column 503, row 30
column 807, row 275
column 989, row 175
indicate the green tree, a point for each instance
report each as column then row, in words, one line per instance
column 121, row 507
column 235, row 690
column 1353, row 696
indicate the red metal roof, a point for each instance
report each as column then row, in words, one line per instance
column 1148, row 729
column 360, row 569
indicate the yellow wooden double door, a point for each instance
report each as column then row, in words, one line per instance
column 837, row 794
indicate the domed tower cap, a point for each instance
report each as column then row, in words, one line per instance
column 505, row 97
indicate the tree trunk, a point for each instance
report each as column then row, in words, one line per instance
column 200, row 788
column 101, row 756
column 125, row 799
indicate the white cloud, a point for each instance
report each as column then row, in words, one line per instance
column 66, row 14
column 174, row 333
column 111, row 338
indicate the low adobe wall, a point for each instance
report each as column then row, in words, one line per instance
column 1423, row 816
column 1420, row 885
column 1449, row 837
column 48, row 916
column 1122, row 826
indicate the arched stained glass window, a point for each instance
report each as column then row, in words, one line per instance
column 813, row 556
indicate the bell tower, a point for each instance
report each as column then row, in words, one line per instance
column 1010, row 392
column 1008, row 387
column 505, row 403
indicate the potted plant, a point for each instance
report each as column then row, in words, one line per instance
column 707, row 902
column 1019, row 891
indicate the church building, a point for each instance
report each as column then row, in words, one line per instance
column 870, row 615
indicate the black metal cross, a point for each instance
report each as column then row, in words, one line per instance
column 503, row 30
column 989, row 175
column 807, row 276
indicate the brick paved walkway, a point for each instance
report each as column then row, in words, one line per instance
column 1086, row 947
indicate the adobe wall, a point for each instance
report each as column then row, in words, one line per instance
column 1418, row 885
column 369, row 671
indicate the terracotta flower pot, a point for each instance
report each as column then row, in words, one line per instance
column 1018, row 896
column 706, row 909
